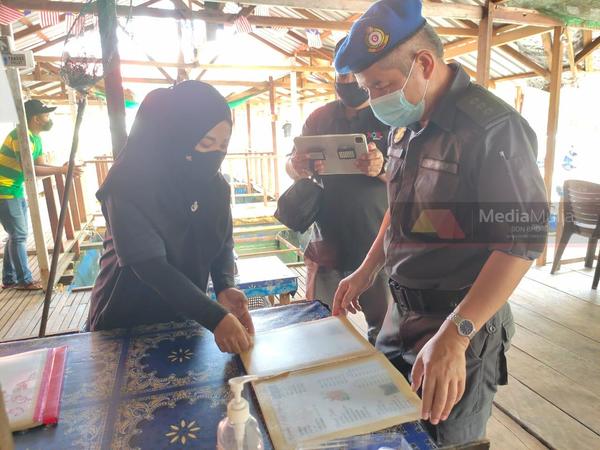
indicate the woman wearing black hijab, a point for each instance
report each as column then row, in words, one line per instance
column 169, row 222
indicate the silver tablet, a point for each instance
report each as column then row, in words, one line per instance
column 338, row 151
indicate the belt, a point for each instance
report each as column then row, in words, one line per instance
column 426, row 301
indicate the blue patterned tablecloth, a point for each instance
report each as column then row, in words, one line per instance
column 158, row 387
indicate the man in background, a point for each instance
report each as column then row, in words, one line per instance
column 13, row 205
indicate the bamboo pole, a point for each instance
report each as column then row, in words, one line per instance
column 27, row 163
column 553, row 116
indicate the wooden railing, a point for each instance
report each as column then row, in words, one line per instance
column 76, row 215
column 257, row 171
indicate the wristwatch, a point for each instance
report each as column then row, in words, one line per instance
column 465, row 326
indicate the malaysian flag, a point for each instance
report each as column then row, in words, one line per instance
column 314, row 38
column 9, row 15
column 242, row 25
column 49, row 18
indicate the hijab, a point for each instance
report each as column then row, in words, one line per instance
column 158, row 160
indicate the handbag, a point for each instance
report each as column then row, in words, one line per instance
column 299, row 205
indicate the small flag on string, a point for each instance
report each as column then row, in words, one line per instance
column 242, row 25
column 49, row 18
column 9, row 15
column 314, row 38
column 75, row 24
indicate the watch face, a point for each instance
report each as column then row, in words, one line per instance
column 466, row 327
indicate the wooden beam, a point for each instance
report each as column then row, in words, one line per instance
column 553, row 116
column 484, row 48
column 209, row 66
column 522, row 59
column 270, row 44
column 588, row 50
column 273, row 135
column 547, row 43
column 588, row 63
column 430, row 9
column 571, row 53
column 497, row 39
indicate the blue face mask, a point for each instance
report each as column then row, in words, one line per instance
column 395, row 110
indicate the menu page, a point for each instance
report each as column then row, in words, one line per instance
column 304, row 345
column 354, row 397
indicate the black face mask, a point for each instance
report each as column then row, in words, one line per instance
column 47, row 126
column 204, row 166
column 351, row 94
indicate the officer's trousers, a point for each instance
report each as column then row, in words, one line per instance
column 403, row 335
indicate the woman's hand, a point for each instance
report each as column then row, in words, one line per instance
column 231, row 336
column 236, row 303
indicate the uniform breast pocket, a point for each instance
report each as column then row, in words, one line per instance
column 437, row 182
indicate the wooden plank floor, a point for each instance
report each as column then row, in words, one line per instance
column 553, row 397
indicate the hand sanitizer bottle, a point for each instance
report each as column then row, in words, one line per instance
column 239, row 430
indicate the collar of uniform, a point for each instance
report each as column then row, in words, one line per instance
column 443, row 115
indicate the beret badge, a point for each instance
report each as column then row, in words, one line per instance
column 376, row 39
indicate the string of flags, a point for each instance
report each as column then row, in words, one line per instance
column 76, row 23
column 9, row 15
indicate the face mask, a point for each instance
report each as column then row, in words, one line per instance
column 395, row 110
column 351, row 94
column 205, row 165
column 47, row 125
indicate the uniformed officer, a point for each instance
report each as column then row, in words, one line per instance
column 467, row 215
column 353, row 206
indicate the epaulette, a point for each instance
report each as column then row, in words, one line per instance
column 483, row 107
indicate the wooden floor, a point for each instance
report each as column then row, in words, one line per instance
column 553, row 396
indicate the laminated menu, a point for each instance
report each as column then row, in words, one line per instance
column 322, row 380
column 31, row 385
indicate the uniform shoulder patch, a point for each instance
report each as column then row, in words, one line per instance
column 483, row 107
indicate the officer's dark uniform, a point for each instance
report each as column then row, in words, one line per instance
column 351, row 212
column 451, row 188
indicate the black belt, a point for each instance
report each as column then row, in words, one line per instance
column 426, row 301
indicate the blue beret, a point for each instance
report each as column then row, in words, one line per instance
column 385, row 25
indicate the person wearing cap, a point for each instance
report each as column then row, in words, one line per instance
column 460, row 160
column 353, row 205
column 13, row 205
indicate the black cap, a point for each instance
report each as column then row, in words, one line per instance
column 35, row 108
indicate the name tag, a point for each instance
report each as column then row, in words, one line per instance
column 436, row 164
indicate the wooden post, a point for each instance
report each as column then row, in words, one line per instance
column 248, row 161
column 113, row 81
column 14, row 80
column 553, row 115
column 519, row 97
column 484, row 47
column 589, row 60
column 274, row 133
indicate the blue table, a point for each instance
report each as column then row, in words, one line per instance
column 156, row 387
column 265, row 277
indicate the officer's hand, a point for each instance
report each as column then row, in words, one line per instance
column 440, row 369
column 231, row 336
column 301, row 165
column 371, row 163
column 236, row 302
column 349, row 290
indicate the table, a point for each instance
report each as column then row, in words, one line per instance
column 265, row 277
column 155, row 387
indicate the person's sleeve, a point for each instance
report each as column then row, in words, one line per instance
column 512, row 213
column 134, row 236
column 179, row 291
column 222, row 270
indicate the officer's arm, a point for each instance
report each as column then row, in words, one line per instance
column 375, row 259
